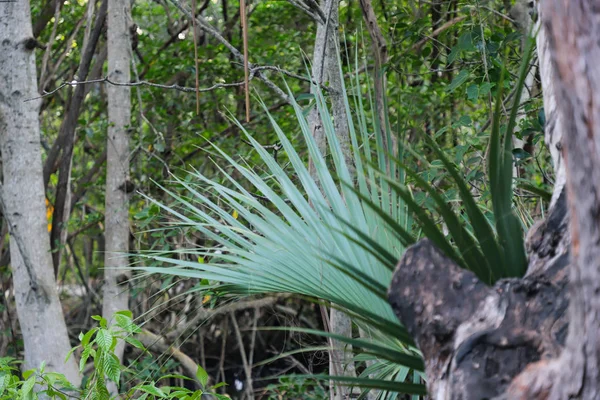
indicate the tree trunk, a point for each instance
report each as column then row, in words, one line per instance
column 380, row 55
column 326, row 68
column 22, row 197
column 118, row 186
column 554, row 122
column 534, row 337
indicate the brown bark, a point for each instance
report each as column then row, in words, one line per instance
column 534, row 337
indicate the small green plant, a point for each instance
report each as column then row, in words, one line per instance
column 291, row 387
column 97, row 345
column 32, row 383
column 490, row 251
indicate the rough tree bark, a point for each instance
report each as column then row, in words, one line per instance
column 118, row 186
column 22, row 197
column 534, row 337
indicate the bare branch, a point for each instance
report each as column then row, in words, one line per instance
column 237, row 54
column 316, row 14
column 254, row 72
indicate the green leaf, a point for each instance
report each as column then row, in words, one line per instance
column 371, row 347
column 28, row 373
column 305, row 96
column 464, row 241
column 70, row 353
column 473, row 92
column 135, row 343
column 125, row 313
column 465, row 120
column 104, row 339
column 85, row 339
column 151, row 389
column 527, row 186
column 4, row 381
column 501, row 180
column 112, row 368
column 458, row 80
column 85, row 354
column 27, row 386
column 485, row 88
column 202, row 376
column 103, row 322
column 389, row 385
column 481, row 227
column 465, row 42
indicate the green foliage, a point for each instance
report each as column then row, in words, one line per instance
column 98, row 344
column 299, row 242
column 335, row 236
column 491, row 254
column 14, row 387
column 267, row 226
column 294, row 387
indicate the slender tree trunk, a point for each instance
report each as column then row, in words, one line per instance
column 524, row 23
column 61, row 152
column 22, row 197
column 380, row 55
column 118, row 186
column 554, row 121
column 326, row 69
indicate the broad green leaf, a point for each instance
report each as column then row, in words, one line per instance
column 458, row 80
column 202, row 376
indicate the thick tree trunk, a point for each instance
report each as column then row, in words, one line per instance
column 22, row 197
column 535, row 337
column 118, row 186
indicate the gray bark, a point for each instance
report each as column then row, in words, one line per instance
column 554, row 122
column 22, row 198
column 521, row 13
column 326, row 69
column 118, row 186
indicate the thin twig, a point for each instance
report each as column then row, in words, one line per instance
column 244, row 20
column 223, row 344
column 213, row 32
column 254, row 71
column 437, row 32
column 317, row 14
column 196, row 59
column 247, row 367
column 46, row 56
